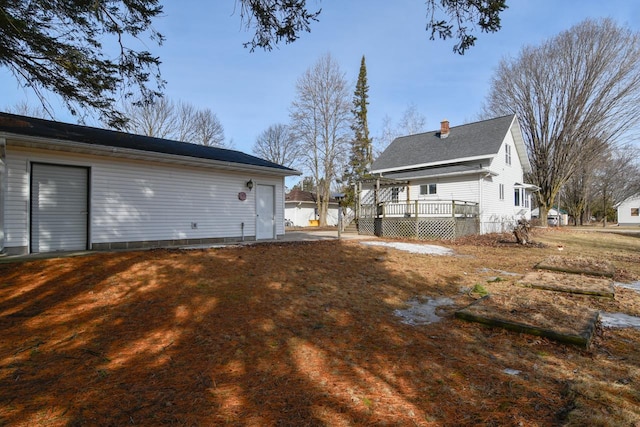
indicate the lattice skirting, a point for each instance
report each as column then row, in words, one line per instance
column 366, row 226
column 422, row 229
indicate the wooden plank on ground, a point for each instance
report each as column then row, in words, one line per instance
column 571, row 283
column 559, row 321
column 577, row 265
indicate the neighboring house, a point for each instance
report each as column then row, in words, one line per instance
column 70, row 187
column 629, row 211
column 554, row 216
column 470, row 171
column 300, row 208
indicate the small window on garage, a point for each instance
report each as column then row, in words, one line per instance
column 635, row 211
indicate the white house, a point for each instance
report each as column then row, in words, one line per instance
column 300, row 209
column 70, row 187
column 472, row 170
column 629, row 211
column 554, row 216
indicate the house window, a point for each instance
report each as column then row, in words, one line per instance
column 507, row 154
column 516, row 197
column 525, row 198
column 395, row 192
column 635, row 211
column 501, row 191
column 428, row 189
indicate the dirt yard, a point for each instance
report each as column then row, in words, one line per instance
column 306, row 334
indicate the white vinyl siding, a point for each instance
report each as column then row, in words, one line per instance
column 499, row 210
column 628, row 211
column 16, row 220
column 465, row 189
column 134, row 200
column 300, row 213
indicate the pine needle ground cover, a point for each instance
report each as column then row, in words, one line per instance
column 305, row 334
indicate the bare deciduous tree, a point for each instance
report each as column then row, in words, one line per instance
column 615, row 179
column 157, row 119
column 575, row 96
column 207, row 129
column 576, row 193
column 321, row 119
column 278, row 144
column 411, row 122
column 23, row 108
column 181, row 122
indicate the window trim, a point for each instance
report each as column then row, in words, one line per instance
column 501, row 191
column 507, row 154
column 427, row 187
column 395, row 194
column 635, row 211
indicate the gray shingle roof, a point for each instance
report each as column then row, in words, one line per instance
column 30, row 126
column 479, row 139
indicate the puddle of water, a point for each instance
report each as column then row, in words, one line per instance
column 422, row 313
column 413, row 248
column 633, row 285
column 619, row 320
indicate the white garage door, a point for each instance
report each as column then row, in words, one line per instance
column 59, row 209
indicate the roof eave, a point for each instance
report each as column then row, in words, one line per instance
column 518, row 139
column 129, row 153
column 433, row 164
column 483, row 171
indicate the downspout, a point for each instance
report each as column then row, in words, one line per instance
column 480, row 213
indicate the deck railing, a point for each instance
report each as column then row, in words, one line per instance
column 420, row 209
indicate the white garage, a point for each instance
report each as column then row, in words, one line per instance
column 65, row 187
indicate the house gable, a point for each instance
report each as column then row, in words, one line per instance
column 466, row 143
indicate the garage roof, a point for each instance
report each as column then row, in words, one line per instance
column 30, row 126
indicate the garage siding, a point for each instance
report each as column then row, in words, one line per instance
column 133, row 200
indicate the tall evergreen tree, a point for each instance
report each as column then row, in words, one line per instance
column 361, row 155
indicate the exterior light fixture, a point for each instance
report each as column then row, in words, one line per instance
column 250, row 184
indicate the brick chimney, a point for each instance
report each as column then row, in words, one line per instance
column 444, row 129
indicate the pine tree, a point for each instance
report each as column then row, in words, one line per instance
column 361, row 155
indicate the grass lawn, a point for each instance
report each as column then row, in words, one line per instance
column 307, row 334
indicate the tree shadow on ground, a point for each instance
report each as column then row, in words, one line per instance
column 271, row 334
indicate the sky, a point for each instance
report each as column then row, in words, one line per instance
column 205, row 64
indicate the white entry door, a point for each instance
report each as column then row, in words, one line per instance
column 59, row 209
column 265, row 212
